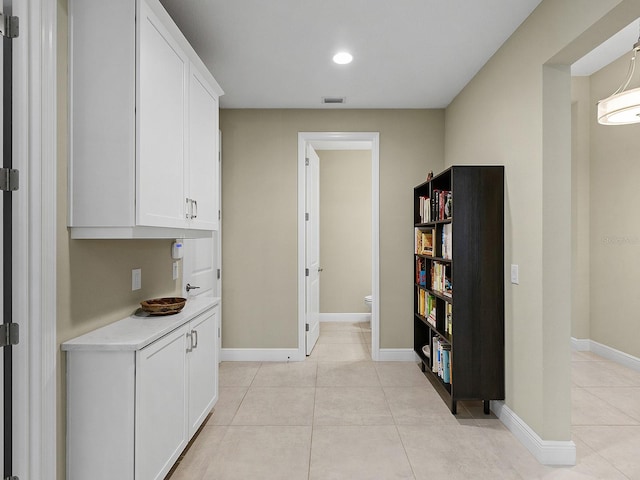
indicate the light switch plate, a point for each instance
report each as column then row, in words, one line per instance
column 136, row 279
column 515, row 276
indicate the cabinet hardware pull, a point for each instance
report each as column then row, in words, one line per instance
column 194, row 334
column 195, row 204
column 189, row 342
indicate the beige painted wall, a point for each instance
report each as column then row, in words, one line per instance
column 259, row 238
column 345, row 230
column 517, row 112
column 615, row 224
column 94, row 276
column 580, row 212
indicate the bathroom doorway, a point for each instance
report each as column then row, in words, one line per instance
column 328, row 145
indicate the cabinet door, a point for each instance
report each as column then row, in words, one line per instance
column 162, row 93
column 161, row 405
column 203, row 368
column 203, row 153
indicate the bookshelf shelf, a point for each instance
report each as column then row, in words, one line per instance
column 465, row 338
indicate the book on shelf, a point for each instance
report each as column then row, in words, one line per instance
column 425, row 209
column 446, row 241
column 441, row 355
column 440, row 279
column 448, row 319
column 427, row 306
column 421, row 271
column 424, row 241
column 441, row 205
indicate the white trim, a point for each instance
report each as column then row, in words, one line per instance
column 305, row 138
column 397, row 355
column 35, row 155
column 345, row 317
column 547, row 452
column 580, row 344
column 610, row 353
column 261, row 355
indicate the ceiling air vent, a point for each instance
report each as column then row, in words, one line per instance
column 334, row 100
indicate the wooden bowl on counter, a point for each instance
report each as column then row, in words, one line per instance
column 163, row 306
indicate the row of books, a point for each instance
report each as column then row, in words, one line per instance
column 437, row 207
column 441, row 205
column 421, row 271
column 424, row 241
column 441, row 358
column 440, row 281
column 425, row 210
column 427, row 306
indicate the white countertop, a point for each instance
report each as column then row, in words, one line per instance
column 139, row 330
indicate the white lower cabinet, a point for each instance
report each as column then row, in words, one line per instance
column 132, row 411
column 161, row 404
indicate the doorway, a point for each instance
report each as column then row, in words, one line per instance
column 337, row 141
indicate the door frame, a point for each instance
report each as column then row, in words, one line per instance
column 35, row 228
column 305, row 138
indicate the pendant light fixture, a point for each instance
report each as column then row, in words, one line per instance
column 623, row 107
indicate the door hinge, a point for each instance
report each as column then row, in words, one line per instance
column 9, row 26
column 306, row 327
column 9, row 179
column 306, row 217
column 218, row 274
column 219, row 215
column 306, row 272
column 9, row 334
column 306, row 162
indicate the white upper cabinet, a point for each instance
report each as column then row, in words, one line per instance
column 144, row 125
column 203, row 153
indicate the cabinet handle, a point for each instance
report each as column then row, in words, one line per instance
column 187, row 208
column 195, row 204
column 194, row 334
column 189, row 342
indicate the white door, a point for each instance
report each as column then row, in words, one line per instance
column 312, row 308
column 163, row 70
column 200, row 266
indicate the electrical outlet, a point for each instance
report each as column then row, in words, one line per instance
column 136, row 279
column 175, row 270
column 515, row 276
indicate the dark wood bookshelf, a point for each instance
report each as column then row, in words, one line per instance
column 476, row 278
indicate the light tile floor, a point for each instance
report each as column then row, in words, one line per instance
column 338, row 415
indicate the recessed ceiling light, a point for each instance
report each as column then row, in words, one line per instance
column 342, row 58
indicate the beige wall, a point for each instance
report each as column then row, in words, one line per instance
column 259, row 239
column 94, row 276
column 615, row 224
column 517, row 112
column 580, row 197
column 345, row 230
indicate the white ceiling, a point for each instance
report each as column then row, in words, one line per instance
column 620, row 44
column 407, row 53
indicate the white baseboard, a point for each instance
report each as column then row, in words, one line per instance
column 397, row 355
column 610, row 353
column 345, row 317
column 547, row 452
column 261, row 355
column 580, row 344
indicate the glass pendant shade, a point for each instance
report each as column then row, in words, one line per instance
column 620, row 109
